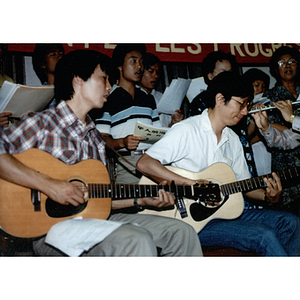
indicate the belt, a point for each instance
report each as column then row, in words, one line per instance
column 133, row 152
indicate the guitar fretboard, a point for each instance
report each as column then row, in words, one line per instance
column 126, row 191
column 258, row 182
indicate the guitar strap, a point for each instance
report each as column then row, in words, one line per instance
column 179, row 199
column 118, row 154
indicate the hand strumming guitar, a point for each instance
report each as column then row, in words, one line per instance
column 65, row 192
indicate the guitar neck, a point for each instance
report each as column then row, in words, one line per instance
column 258, row 182
column 127, row 191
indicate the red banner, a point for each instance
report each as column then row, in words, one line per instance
column 246, row 53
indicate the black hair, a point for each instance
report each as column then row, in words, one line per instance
column 209, row 63
column 150, row 60
column 119, row 54
column 273, row 63
column 229, row 84
column 80, row 63
column 255, row 74
column 39, row 58
column 121, row 50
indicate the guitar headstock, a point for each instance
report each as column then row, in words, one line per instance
column 207, row 192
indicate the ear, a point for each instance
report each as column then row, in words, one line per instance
column 219, row 99
column 120, row 68
column 77, row 81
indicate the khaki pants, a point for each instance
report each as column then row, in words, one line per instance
column 171, row 236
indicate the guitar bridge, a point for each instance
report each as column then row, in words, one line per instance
column 36, row 199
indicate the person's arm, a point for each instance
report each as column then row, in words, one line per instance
column 62, row 192
column 154, row 169
column 287, row 139
column 129, row 142
column 287, row 112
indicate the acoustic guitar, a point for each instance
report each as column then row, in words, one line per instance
column 28, row 213
column 231, row 203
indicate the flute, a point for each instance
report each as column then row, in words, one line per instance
column 252, row 111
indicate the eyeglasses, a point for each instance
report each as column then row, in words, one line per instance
column 290, row 62
column 242, row 104
column 55, row 53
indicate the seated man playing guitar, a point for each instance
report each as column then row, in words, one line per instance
column 202, row 141
column 67, row 133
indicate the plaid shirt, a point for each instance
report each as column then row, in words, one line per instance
column 57, row 131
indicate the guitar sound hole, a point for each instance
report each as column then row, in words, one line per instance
column 57, row 210
column 200, row 212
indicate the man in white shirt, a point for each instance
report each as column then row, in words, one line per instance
column 198, row 142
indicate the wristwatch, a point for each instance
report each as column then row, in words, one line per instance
column 137, row 206
column 292, row 117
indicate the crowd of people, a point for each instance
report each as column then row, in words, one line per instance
column 120, row 91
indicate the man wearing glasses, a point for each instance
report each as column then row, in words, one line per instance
column 197, row 143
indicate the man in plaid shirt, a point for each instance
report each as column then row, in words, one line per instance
column 67, row 133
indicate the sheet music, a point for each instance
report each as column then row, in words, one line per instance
column 173, row 95
column 20, row 99
column 151, row 134
column 196, row 87
column 74, row 236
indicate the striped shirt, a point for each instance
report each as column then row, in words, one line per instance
column 57, row 131
column 121, row 112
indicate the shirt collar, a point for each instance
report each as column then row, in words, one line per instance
column 71, row 119
column 208, row 128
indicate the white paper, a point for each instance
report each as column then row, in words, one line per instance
column 20, row 99
column 74, row 236
column 150, row 133
column 173, row 96
column 259, row 99
column 196, row 87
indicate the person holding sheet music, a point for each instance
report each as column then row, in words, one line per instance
column 284, row 67
column 197, row 143
column 150, row 78
column 127, row 104
column 68, row 133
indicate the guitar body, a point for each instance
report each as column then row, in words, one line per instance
column 17, row 214
column 219, row 173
